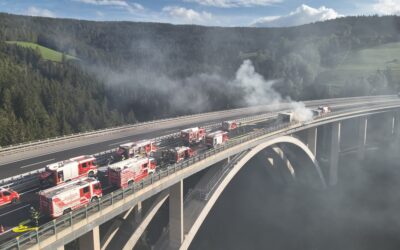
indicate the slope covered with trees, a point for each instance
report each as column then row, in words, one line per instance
column 137, row 71
column 40, row 99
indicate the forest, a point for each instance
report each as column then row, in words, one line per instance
column 130, row 71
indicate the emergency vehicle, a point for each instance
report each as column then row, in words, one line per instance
column 230, row 125
column 177, row 154
column 130, row 149
column 216, row 138
column 67, row 197
column 8, row 196
column 125, row 173
column 193, row 135
column 59, row 172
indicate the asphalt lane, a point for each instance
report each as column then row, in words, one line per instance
column 26, row 165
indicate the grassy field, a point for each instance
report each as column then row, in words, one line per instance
column 47, row 54
column 364, row 63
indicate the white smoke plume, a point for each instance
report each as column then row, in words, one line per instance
column 259, row 91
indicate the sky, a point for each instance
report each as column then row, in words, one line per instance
column 244, row 13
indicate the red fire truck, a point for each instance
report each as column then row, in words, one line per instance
column 63, row 171
column 193, row 135
column 230, row 125
column 216, row 138
column 125, row 173
column 177, row 154
column 8, row 196
column 67, row 197
column 130, row 149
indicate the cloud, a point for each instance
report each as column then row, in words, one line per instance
column 234, row 3
column 387, row 7
column 133, row 7
column 34, row 11
column 302, row 15
column 182, row 14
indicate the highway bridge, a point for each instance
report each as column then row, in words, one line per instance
column 353, row 124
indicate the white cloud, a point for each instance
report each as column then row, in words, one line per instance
column 234, row 3
column 387, row 7
column 116, row 3
column 34, row 11
column 302, row 15
column 184, row 15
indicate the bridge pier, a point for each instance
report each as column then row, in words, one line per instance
column 90, row 240
column 278, row 151
column 334, row 153
column 176, row 215
column 312, row 134
column 362, row 137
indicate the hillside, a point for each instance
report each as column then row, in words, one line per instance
column 129, row 71
column 46, row 53
column 379, row 64
column 40, row 99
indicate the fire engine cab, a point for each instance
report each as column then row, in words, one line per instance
column 216, row 138
column 67, row 197
column 230, row 125
column 177, row 154
column 67, row 170
column 193, row 135
column 130, row 149
column 125, row 173
column 8, row 196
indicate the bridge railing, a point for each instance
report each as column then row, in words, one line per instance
column 77, row 136
column 68, row 220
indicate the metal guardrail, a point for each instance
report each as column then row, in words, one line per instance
column 112, row 130
column 51, row 228
column 143, row 124
column 68, row 220
column 31, row 178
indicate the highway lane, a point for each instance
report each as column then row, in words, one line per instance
column 21, row 165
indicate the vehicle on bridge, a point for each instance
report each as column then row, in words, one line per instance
column 7, row 195
column 178, row 154
column 128, row 150
column 216, row 138
column 230, row 125
column 125, row 173
column 62, row 171
column 193, row 135
column 67, row 197
column 321, row 110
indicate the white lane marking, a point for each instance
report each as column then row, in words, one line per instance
column 30, row 191
column 15, row 210
column 117, row 143
column 37, row 163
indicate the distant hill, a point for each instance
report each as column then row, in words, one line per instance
column 357, row 66
column 129, row 71
column 46, row 53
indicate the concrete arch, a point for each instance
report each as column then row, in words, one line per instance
column 190, row 233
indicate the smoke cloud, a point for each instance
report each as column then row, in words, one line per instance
column 258, row 91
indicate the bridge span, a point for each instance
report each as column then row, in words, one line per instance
column 321, row 140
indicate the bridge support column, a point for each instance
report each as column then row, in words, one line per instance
column 176, row 215
column 312, row 140
column 285, row 160
column 362, row 137
column 334, row 154
column 60, row 248
column 90, row 240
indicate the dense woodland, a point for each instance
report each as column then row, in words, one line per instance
column 130, row 72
